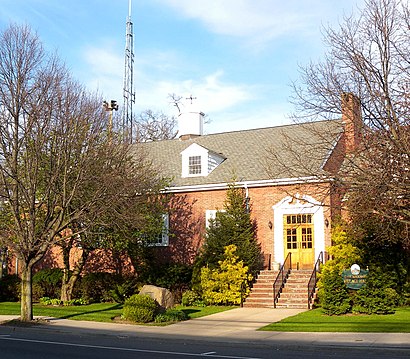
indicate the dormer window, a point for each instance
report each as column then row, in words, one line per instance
column 199, row 161
column 194, row 164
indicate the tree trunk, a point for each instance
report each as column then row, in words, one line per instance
column 68, row 282
column 26, row 293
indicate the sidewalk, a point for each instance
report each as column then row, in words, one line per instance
column 236, row 325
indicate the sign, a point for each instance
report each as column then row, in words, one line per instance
column 354, row 278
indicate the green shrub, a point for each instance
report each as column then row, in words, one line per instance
column 228, row 284
column 171, row 315
column 47, row 283
column 333, row 294
column 50, row 301
column 377, row 296
column 174, row 276
column 96, row 287
column 10, row 288
column 140, row 308
column 124, row 290
column 74, row 302
column 191, row 298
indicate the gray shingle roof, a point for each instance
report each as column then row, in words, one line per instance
column 299, row 150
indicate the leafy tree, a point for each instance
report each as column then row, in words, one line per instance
column 59, row 171
column 368, row 56
column 234, row 226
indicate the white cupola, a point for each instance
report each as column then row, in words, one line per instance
column 190, row 121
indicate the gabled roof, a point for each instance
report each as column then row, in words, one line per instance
column 305, row 146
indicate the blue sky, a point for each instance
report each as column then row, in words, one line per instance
column 237, row 57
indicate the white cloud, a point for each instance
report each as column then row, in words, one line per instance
column 103, row 71
column 211, row 92
column 260, row 21
column 249, row 117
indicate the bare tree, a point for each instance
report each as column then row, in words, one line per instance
column 60, row 172
column 154, row 126
column 368, row 56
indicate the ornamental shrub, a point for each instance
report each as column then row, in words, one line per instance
column 228, row 284
column 191, row 298
column 171, row 315
column 140, row 308
column 50, row 301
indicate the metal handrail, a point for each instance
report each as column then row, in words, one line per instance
column 314, row 278
column 281, row 278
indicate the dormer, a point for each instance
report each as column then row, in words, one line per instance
column 199, row 161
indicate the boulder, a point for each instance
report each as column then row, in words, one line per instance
column 162, row 295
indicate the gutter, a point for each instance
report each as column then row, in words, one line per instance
column 247, row 184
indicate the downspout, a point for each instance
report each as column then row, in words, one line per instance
column 245, row 185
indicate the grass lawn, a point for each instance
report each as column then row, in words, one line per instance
column 98, row 312
column 316, row 321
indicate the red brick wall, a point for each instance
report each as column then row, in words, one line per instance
column 187, row 219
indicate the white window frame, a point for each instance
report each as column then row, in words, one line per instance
column 193, row 166
column 163, row 237
column 194, row 150
column 211, row 214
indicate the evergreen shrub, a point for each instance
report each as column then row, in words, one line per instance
column 233, row 226
column 333, row 294
column 124, row 289
column 377, row 296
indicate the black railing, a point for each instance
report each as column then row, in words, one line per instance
column 313, row 279
column 282, row 278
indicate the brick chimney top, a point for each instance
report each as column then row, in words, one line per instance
column 352, row 121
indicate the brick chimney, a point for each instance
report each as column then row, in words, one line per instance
column 352, row 121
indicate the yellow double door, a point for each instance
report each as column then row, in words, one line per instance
column 298, row 240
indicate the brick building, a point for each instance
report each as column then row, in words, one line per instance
column 284, row 171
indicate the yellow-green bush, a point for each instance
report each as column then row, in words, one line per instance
column 140, row 308
column 227, row 284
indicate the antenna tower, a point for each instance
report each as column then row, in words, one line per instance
column 128, row 92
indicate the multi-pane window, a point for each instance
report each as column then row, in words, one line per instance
column 162, row 237
column 194, row 165
column 298, row 231
column 298, row 218
column 291, row 238
column 307, row 238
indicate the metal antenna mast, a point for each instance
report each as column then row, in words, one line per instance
column 129, row 94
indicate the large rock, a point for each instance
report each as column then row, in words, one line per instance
column 162, row 295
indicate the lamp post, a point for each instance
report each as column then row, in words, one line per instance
column 109, row 107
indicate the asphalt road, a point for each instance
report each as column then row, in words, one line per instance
column 36, row 343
